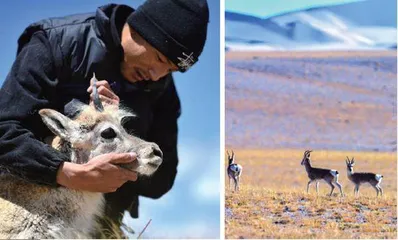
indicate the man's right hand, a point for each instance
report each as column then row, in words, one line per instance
column 100, row 174
column 105, row 93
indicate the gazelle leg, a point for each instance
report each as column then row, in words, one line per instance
column 308, row 184
column 377, row 189
column 236, row 184
column 317, row 187
column 229, row 182
column 332, row 186
column 356, row 190
column 339, row 186
column 381, row 189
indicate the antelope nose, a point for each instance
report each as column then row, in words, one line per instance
column 157, row 152
column 157, row 158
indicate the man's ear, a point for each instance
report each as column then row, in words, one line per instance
column 59, row 124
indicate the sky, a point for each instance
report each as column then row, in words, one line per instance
column 191, row 209
column 268, row 8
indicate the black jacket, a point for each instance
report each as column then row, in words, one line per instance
column 55, row 61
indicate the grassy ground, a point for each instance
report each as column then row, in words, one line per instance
column 321, row 100
column 272, row 202
column 304, row 54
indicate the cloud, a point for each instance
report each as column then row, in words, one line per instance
column 207, row 189
column 196, row 157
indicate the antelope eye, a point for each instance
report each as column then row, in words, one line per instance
column 108, row 133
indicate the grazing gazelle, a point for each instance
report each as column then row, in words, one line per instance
column 234, row 170
column 362, row 177
column 316, row 174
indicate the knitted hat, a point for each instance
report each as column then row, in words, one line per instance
column 176, row 28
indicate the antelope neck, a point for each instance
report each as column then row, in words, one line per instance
column 77, row 155
column 307, row 165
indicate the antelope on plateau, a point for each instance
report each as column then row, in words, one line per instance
column 330, row 176
column 234, row 170
column 363, row 177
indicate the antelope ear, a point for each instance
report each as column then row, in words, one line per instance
column 59, row 124
column 124, row 115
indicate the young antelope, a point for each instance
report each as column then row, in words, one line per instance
column 234, row 170
column 32, row 211
column 361, row 177
column 330, row 176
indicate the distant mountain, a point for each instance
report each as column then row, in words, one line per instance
column 368, row 24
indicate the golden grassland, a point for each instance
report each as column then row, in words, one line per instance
column 273, row 203
column 306, row 54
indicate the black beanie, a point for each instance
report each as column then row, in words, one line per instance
column 176, row 28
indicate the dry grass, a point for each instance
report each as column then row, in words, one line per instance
column 109, row 229
column 273, row 203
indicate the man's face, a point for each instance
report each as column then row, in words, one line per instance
column 142, row 62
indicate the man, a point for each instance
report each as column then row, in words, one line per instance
column 134, row 51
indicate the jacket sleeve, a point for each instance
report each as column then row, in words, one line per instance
column 164, row 132
column 29, row 87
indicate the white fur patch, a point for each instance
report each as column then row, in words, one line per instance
column 334, row 173
column 379, row 177
column 235, row 168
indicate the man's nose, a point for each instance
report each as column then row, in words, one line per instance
column 158, row 72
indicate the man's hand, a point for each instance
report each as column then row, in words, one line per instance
column 105, row 93
column 100, row 174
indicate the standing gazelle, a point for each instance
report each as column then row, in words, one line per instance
column 316, row 174
column 362, row 177
column 234, row 170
